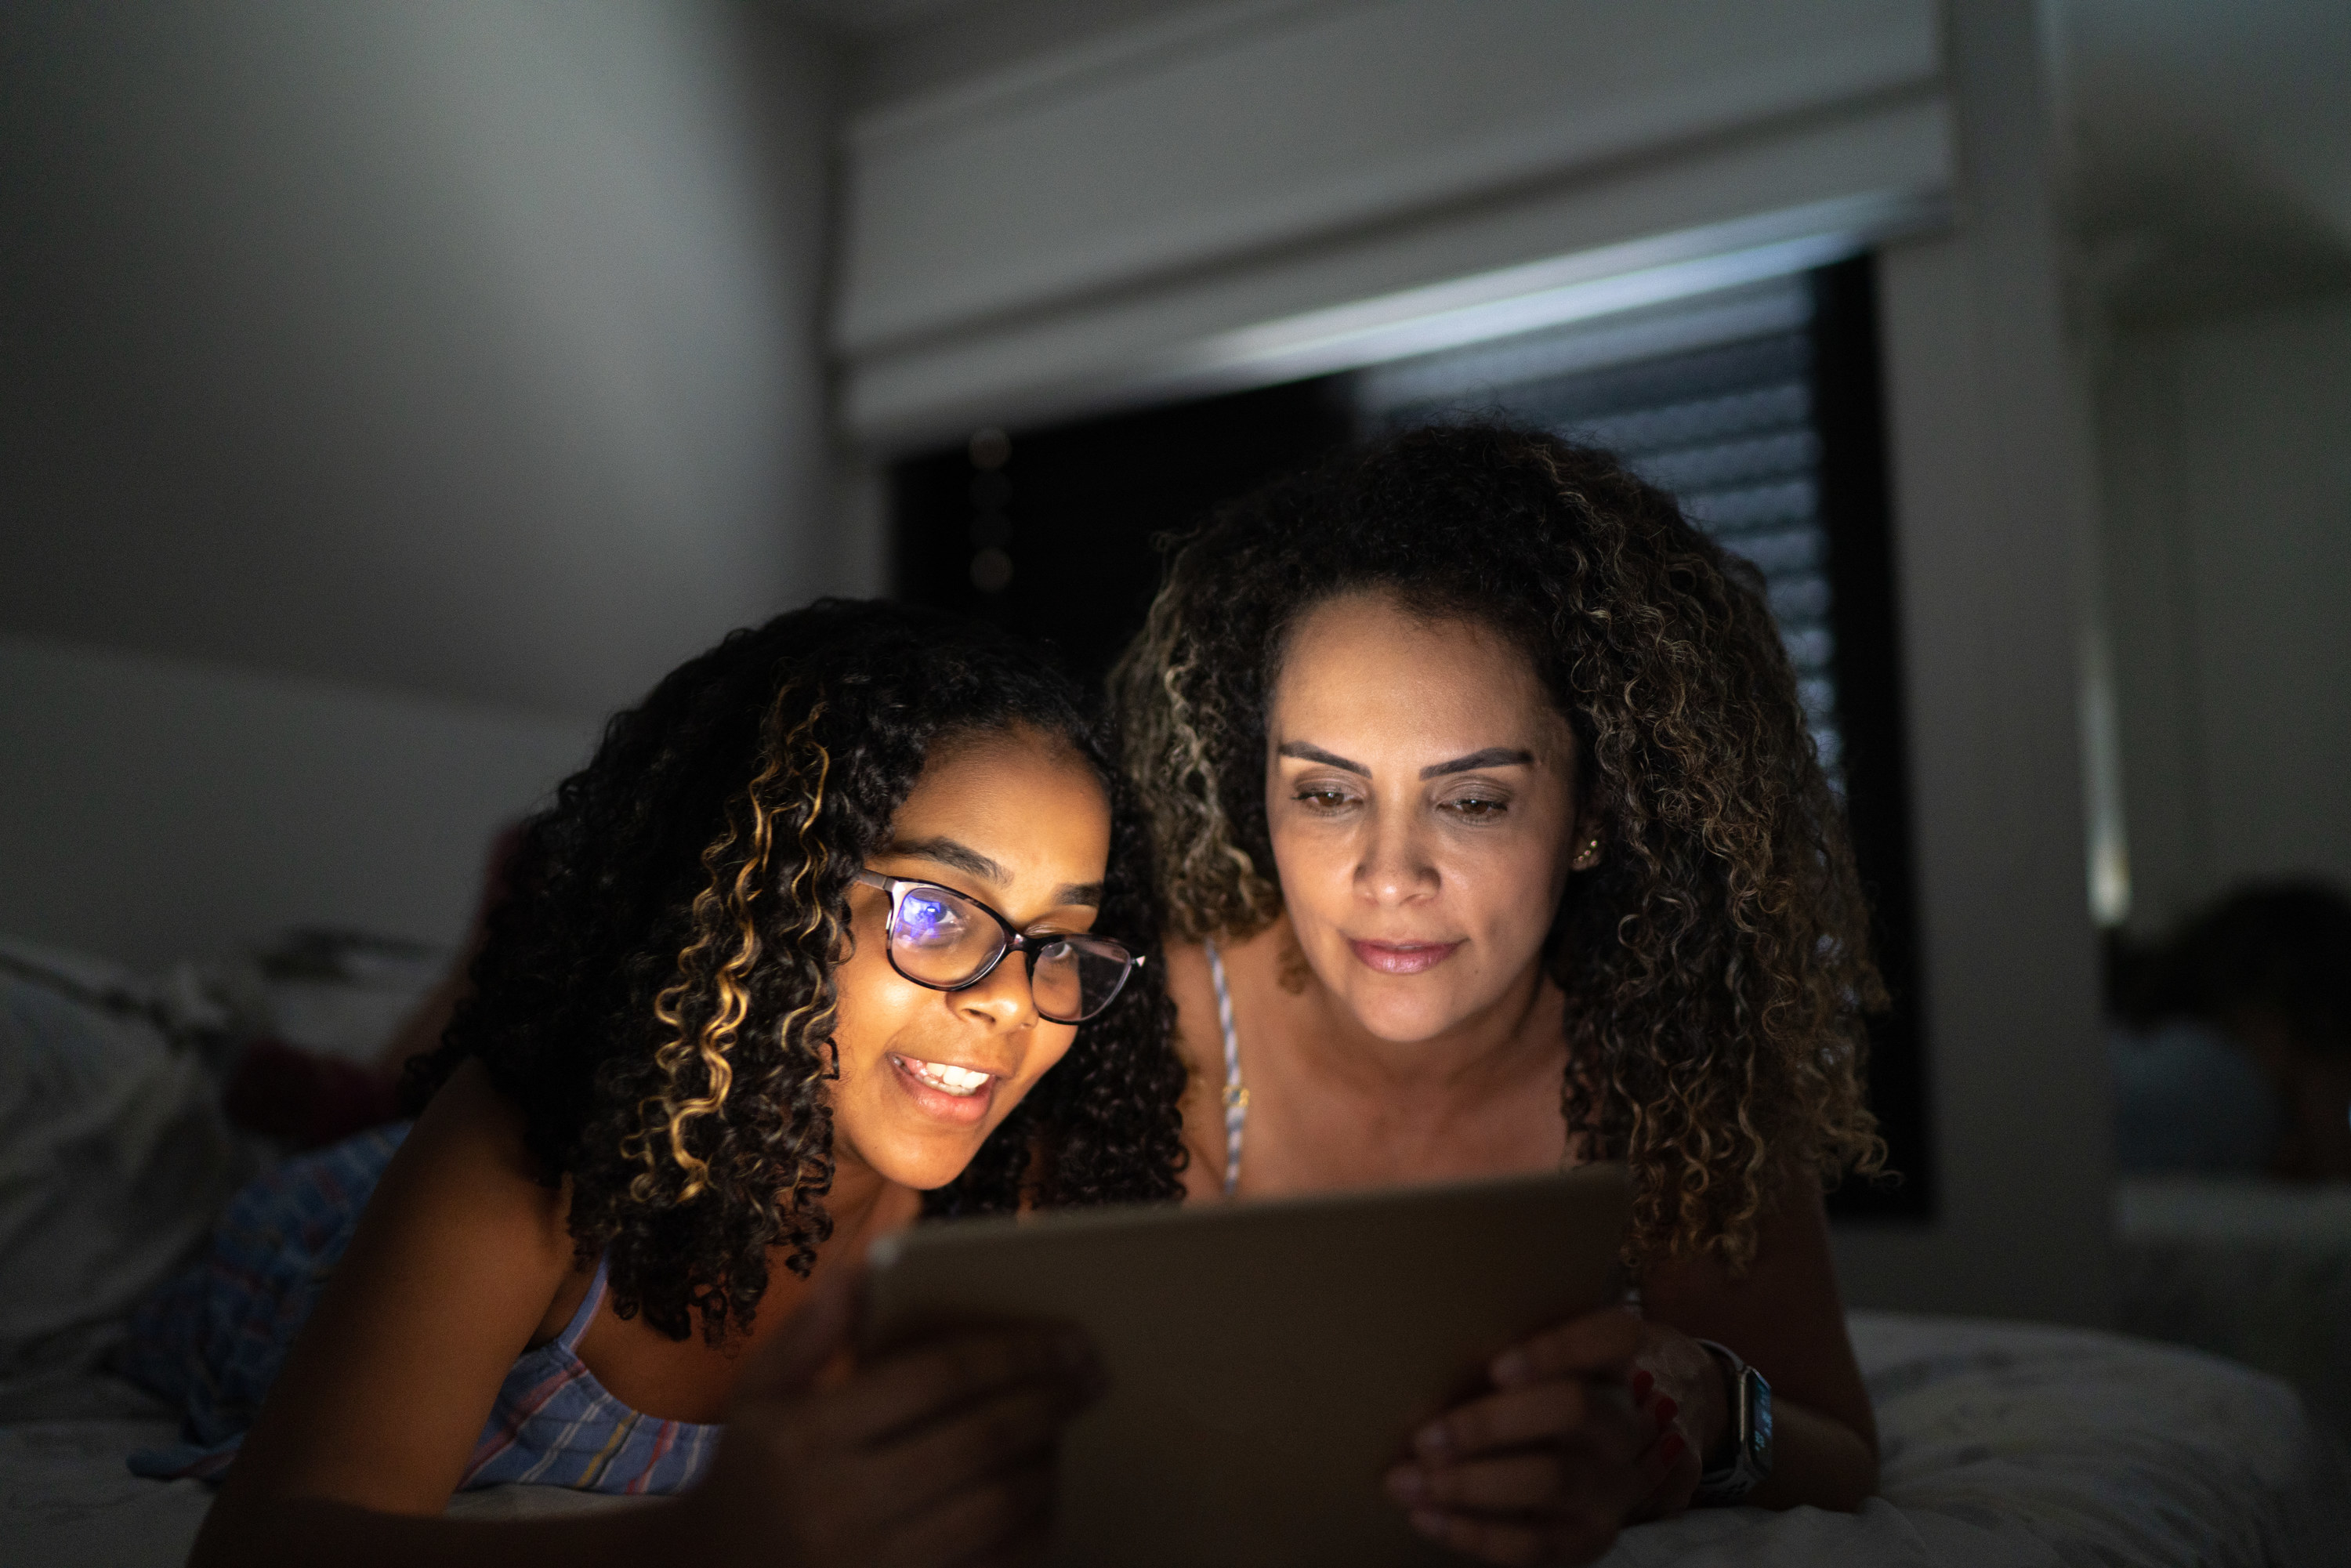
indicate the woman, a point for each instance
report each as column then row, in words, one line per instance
column 1481, row 796
column 800, row 955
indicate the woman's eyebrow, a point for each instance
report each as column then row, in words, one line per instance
column 1088, row 894
column 1306, row 753
column 1492, row 756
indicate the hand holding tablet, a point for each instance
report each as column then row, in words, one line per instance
column 1270, row 1364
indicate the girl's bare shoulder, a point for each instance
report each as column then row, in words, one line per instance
column 469, row 1155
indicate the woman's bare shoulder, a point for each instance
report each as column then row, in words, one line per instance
column 1199, row 1043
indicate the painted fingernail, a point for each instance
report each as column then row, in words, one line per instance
column 1513, row 1366
column 1429, row 1522
column 1666, row 1411
column 1407, row 1484
column 1642, row 1384
column 1433, row 1442
column 1670, row 1447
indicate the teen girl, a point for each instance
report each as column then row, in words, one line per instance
column 844, row 925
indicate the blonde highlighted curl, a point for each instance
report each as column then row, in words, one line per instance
column 1716, row 961
column 694, row 1061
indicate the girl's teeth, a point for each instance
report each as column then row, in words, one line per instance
column 957, row 1081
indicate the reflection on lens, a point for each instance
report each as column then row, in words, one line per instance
column 926, row 920
column 941, row 938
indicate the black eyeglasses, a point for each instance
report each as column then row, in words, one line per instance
column 937, row 938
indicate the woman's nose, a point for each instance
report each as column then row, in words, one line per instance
column 1396, row 866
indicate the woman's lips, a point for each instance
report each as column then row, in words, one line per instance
column 1402, row 957
column 963, row 1110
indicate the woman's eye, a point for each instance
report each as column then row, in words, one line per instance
column 1315, row 800
column 1477, row 809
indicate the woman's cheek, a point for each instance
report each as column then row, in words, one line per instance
column 1509, row 882
column 1314, row 860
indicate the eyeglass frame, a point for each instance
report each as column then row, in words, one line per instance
column 1015, row 941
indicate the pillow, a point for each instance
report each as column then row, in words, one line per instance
column 114, row 1154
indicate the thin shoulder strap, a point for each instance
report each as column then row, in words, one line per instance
column 585, row 1314
column 1235, row 1092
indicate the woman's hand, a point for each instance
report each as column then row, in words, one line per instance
column 940, row 1453
column 1678, row 1385
column 1547, row 1467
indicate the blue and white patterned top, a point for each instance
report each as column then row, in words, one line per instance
column 216, row 1338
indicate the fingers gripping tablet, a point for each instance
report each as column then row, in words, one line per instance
column 1267, row 1361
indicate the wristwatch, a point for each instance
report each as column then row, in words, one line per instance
column 1750, row 1459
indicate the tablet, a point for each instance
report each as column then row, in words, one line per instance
column 1268, row 1361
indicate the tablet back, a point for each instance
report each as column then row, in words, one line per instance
column 1268, row 1361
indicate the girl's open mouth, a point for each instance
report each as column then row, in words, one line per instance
column 950, row 1092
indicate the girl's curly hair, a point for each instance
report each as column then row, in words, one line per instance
column 656, row 993
column 1716, row 961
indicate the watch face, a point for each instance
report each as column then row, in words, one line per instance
column 1759, row 1431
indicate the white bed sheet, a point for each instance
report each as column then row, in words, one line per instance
column 2257, row 1271
column 2003, row 1444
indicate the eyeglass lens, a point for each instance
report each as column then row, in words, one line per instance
column 943, row 939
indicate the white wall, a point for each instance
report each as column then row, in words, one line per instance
column 450, row 346
column 2226, row 450
column 1990, row 590
column 455, row 362
column 1995, row 566
column 154, row 809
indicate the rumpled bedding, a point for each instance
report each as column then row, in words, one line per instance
column 2008, row 1443
column 2254, row 1269
column 2003, row 1443
column 114, row 1155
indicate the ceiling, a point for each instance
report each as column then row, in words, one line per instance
column 871, row 19
column 2212, row 143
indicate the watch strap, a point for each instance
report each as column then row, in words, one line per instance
column 1749, row 1460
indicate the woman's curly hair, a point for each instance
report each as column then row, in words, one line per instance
column 656, row 993
column 1716, row 961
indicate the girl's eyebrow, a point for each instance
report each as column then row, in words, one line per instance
column 949, row 852
column 961, row 857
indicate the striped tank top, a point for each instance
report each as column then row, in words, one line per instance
column 1236, row 1096
column 216, row 1338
